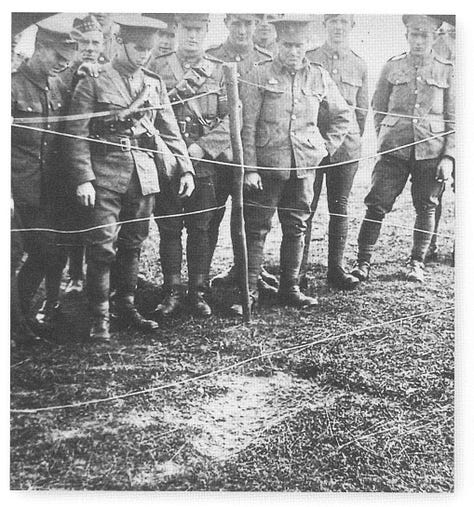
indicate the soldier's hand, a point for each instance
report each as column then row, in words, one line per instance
column 253, row 181
column 89, row 69
column 186, row 185
column 444, row 169
column 195, row 151
column 86, row 194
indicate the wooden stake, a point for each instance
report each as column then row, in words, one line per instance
column 237, row 218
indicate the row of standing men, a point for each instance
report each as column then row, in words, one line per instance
column 297, row 112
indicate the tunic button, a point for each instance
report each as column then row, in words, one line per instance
column 335, row 57
column 188, row 118
column 293, row 116
column 29, row 109
column 417, row 105
column 237, row 58
column 334, row 71
column 415, row 121
column 418, row 78
column 238, row 74
column 186, row 66
column 416, row 92
column 186, row 134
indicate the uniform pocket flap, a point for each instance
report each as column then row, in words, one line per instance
column 390, row 120
column 436, row 82
column 313, row 92
column 29, row 106
column 352, row 80
column 106, row 97
column 398, row 78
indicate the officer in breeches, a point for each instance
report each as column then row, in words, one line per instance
column 118, row 182
column 204, row 125
column 349, row 72
column 280, row 135
column 413, row 101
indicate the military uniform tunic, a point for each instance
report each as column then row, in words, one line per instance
column 349, row 72
column 423, row 90
column 204, row 121
column 125, row 179
column 280, row 131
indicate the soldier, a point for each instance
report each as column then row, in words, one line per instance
column 90, row 40
column 280, row 131
column 265, row 34
column 418, row 84
column 166, row 38
column 117, row 182
column 109, row 29
column 349, row 72
column 35, row 179
column 238, row 47
column 444, row 46
column 204, row 125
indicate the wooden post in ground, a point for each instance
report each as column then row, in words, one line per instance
column 237, row 217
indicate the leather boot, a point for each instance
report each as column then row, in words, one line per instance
column 127, row 267
column 237, row 310
column 227, row 278
column 100, row 326
column 196, row 296
column 339, row 279
column 97, row 289
column 171, row 303
column 21, row 332
column 361, row 270
column 290, row 295
column 128, row 315
column 46, row 317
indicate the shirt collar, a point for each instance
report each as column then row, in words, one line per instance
column 280, row 68
column 420, row 61
column 340, row 52
column 192, row 60
column 240, row 51
column 124, row 68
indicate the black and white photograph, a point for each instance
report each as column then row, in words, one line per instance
column 233, row 250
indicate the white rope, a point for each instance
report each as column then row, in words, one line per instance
column 298, row 348
column 122, row 222
column 391, row 224
column 101, row 114
column 232, row 164
column 386, row 113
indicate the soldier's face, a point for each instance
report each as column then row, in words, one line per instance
column 191, row 37
column 90, row 46
column 240, row 30
column 165, row 42
column 338, row 28
column 137, row 53
column 265, row 34
column 292, row 49
column 420, row 42
column 52, row 62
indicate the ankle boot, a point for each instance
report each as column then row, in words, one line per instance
column 196, row 296
column 171, row 302
column 99, row 327
column 128, row 314
column 339, row 279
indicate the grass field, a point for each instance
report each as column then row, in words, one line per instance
column 363, row 411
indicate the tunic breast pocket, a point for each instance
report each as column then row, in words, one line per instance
column 436, row 89
column 273, row 105
column 110, row 100
column 311, row 100
column 28, row 107
column 210, row 102
column 349, row 86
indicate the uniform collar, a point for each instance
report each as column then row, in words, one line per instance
column 38, row 80
column 281, row 68
column 124, row 69
column 420, row 61
column 191, row 60
column 234, row 51
column 331, row 52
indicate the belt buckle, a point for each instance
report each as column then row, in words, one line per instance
column 125, row 144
